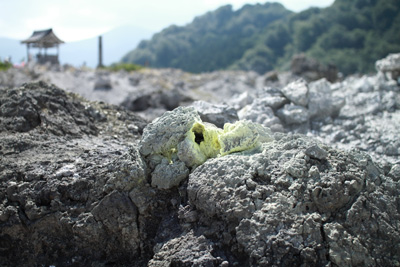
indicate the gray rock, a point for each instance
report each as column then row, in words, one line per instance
column 312, row 70
column 390, row 65
column 320, row 104
column 26, row 109
column 261, row 113
column 57, row 191
column 215, row 114
column 395, row 172
column 131, row 172
column 166, row 132
column 150, row 99
column 292, row 114
column 167, row 175
column 390, row 101
column 297, row 92
column 355, row 254
column 185, row 138
column 186, row 250
column 365, row 84
column 171, row 99
column 338, row 102
column 361, row 104
column 137, row 103
column 271, row 76
column 316, row 152
column 118, row 214
column 238, row 101
column 283, row 219
column 102, row 82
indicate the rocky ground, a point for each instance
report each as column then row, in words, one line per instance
column 357, row 112
column 92, row 183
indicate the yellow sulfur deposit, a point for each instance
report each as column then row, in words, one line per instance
column 239, row 136
column 201, row 143
column 205, row 140
column 206, row 136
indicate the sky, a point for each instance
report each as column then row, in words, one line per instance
column 74, row 20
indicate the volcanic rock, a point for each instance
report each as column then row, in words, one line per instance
column 81, row 185
column 215, row 114
column 312, row 70
column 390, row 66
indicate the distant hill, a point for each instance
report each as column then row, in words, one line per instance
column 350, row 34
column 213, row 41
column 116, row 43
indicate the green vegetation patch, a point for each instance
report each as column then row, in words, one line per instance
column 5, row 65
column 124, row 66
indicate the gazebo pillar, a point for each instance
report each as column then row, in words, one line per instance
column 100, row 53
column 27, row 52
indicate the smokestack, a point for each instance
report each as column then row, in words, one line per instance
column 100, row 53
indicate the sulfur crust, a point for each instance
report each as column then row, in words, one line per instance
column 205, row 140
column 238, row 137
column 210, row 146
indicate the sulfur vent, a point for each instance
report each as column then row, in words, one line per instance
column 205, row 140
column 201, row 143
column 180, row 136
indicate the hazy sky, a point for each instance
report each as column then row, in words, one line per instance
column 80, row 19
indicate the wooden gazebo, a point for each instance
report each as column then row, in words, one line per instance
column 43, row 40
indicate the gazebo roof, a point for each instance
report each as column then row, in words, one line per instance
column 44, row 39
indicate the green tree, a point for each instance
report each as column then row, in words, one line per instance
column 350, row 34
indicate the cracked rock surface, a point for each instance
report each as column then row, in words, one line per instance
column 86, row 183
column 338, row 209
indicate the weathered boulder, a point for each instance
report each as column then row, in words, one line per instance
column 215, row 114
column 150, row 99
column 167, row 175
column 320, row 102
column 66, row 167
column 313, row 70
column 102, row 81
column 239, row 101
column 297, row 92
column 186, row 250
column 23, row 110
column 179, row 136
column 297, row 203
column 291, row 114
column 390, row 65
column 166, row 132
column 261, row 113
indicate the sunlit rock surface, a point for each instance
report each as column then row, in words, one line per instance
column 90, row 183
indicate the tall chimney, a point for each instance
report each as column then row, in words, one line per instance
column 100, row 53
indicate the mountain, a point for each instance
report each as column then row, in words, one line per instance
column 116, row 43
column 213, row 41
column 350, row 34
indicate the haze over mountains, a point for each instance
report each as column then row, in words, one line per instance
column 116, row 43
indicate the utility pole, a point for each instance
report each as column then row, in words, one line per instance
column 100, row 53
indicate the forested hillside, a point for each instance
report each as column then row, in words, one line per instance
column 349, row 34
